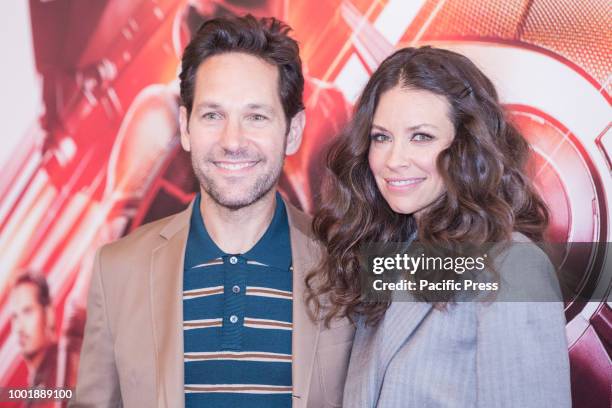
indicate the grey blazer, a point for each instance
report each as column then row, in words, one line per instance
column 473, row 354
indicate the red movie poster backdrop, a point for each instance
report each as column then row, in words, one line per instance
column 104, row 156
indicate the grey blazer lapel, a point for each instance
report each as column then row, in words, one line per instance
column 399, row 323
column 374, row 348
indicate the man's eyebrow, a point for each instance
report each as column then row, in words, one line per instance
column 260, row 106
column 207, row 104
column 251, row 106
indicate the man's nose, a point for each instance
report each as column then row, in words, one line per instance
column 232, row 137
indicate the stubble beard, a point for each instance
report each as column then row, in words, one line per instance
column 261, row 186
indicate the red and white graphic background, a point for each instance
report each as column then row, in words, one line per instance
column 90, row 148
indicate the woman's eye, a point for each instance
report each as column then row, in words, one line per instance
column 379, row 138
column 421, row 137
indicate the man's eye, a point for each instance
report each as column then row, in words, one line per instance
column 421, row 137
column 258, row 117
column 211, row 116
column 379, row 138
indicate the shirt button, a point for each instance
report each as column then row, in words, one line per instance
column 236, row 289
column 233, row 260
column 233, row 318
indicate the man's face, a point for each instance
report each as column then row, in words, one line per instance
column 237, row 131
column 28, row 320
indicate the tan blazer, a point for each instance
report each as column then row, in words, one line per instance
column 132, row 352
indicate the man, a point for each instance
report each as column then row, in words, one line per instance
column 207, row 307
column 32, row 322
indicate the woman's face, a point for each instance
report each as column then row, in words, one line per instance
column 410, row 128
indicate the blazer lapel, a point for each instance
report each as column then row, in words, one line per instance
column 167, row 305
column 305, row 334
column 400, row 322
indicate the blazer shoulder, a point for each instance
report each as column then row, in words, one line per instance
column 525, row 271
column 147, row 233
column 522, row 250
column 140, row 242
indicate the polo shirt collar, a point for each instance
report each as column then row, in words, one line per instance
column 273, row 248
column 200, row 246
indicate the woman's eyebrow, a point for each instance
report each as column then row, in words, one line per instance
column 421, row 125
column 380, row 128
column 410, row 128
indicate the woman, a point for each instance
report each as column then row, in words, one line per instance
column 430, row 157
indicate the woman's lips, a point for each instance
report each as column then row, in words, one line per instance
column 402, row 184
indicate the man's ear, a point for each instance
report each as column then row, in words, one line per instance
column 296, row 130
column 50, row 320
column 184, row 126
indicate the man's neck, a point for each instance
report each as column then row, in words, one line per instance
column 237, row 231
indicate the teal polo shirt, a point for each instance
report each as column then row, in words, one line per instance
column 237, row 318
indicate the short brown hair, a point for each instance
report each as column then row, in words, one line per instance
column 38, row 280
column 266, row 38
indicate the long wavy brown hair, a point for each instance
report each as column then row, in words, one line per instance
column 487, row 197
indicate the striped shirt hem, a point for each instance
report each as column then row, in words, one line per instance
column 239, row 388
